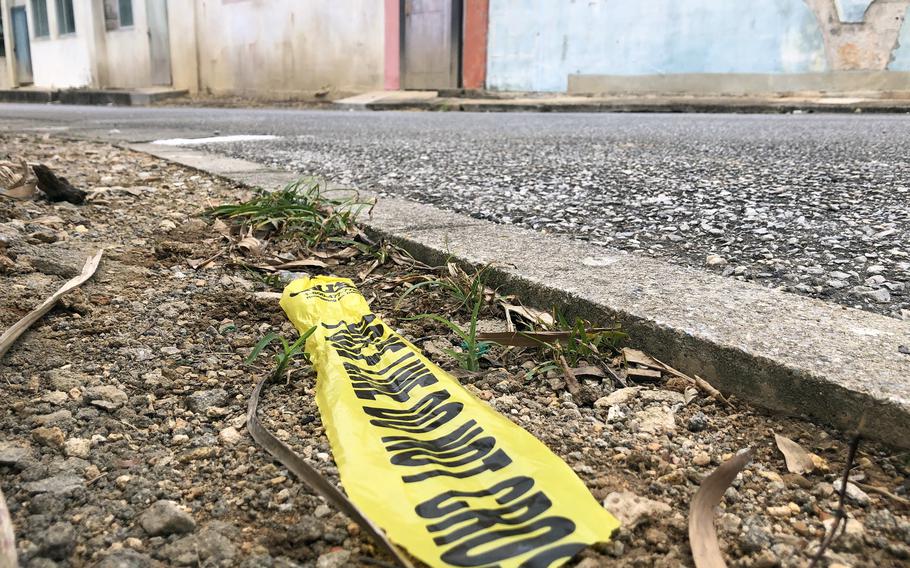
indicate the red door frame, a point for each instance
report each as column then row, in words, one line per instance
column 474, row 44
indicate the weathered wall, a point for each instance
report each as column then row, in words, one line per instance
column 289, row 46
column 181, row 15
column 535, row 46
column 900, row 57
column 126, row 52
column 63, row 61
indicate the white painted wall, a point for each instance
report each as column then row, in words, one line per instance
column 126, row 52
column 4, row 76
column 63, row 61
column 182, row 32
column 288, row 46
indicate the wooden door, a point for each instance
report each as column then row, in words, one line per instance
column 159, row 42
column 431, row 44
column 21, row 48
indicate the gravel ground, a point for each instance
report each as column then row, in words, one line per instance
column 121, row 426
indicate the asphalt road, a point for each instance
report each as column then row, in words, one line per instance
column 816, row 204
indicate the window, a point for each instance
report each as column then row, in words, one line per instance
column 39, row 17
column 118, row 14
column 66, row 22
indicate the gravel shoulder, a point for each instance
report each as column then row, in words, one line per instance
column 122, row 439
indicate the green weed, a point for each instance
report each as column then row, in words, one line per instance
column 285, row 355
column 300, row 210
column 583, row 343
column 470, row 293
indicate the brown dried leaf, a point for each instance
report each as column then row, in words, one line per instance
column 221, row 228
column 7, row 537
column 702, row 534
column 589, row 371
column 640, row 358
column 533, row 338
column 798, row 460
column 250, row 244
column 533, row 315
column 300, row 263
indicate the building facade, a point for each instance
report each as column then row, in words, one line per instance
column 290, row 47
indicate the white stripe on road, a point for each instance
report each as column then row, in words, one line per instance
column 214, row 139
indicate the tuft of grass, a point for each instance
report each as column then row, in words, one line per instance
column 471, row 293
column 301, row 210
column 583, row 343
column 285, row 355
column 465, row 289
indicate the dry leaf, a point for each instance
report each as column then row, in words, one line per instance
column 250, row 244
column 12, row 334
column 798, row 460
column 301, row 263
column 322, row 486
column 702, row 534
column 17, row 181
column 221, row 228
column 7, row 537
column 589, row 371
column 640, row 358
column 532, row 315
column 533, row 338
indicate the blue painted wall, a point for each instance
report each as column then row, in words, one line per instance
column 900, row 57
column 535, row 44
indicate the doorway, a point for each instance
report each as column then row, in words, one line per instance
column 431, row 44
column 159, row 42
column 22, row 50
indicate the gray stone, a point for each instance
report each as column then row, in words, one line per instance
column 53, row 418
column 200, row 401
column 619, row 396
column 13, row 455
column 335, row 559
column 166, row 517
column 107, row 393
column 128, row 559
column 854, row 493
column 208, row 548
column 632, row 509
column 655, row 420
column 754, row 537
column 57, row 541
column 697, row 422
column 65, row 379
column 58, row 484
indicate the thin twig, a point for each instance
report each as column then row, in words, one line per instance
column 840, row 514
column 571, row 381
column 882, row 491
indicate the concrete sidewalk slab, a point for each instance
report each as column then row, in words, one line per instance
column 784, row 352
column 364, row 100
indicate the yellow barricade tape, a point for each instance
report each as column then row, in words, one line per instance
column 445, row 475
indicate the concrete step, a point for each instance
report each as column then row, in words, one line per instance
column 116, row 97
column 28, row 95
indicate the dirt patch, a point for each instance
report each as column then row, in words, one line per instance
column 132, row 392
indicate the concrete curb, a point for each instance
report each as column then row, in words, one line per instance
column 780, row 351
column 692, row 105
